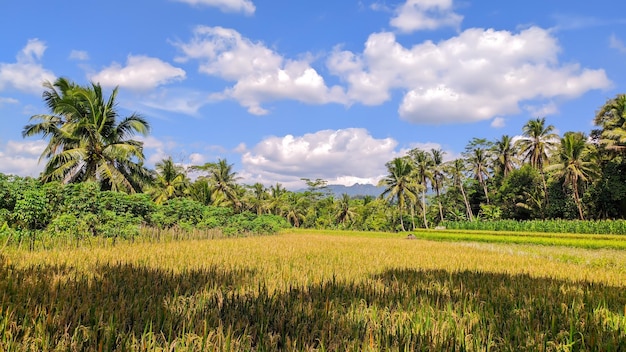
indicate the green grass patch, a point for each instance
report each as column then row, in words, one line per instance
column 537, row 238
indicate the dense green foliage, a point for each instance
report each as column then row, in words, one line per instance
column 90, row 156
column 41, row 213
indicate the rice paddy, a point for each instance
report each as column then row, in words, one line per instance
column 314, row 291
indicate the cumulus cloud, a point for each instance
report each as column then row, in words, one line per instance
column 343, row 156
column 245, row 6
column 415, row 15
column 261, row 74
column 26, row 74
column 140, row 73
column 21, row 157
column 477, row 75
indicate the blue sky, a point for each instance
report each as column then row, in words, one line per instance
column 287, row 89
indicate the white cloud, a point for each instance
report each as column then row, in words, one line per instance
column 21, row 157
column 79, row 55
column 478, row 75
column 245, row 6
column 498, row 122
column 4, row 100
column 26, row 74
column 416, row 15
column 542, row 110
column 339, row 156
column 183, row 101
column 140, row 73
column 261, row 75
column 616, row 43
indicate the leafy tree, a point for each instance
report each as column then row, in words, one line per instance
column 423, row 167
column 223, row 180
column 86, row 142
column 438, row 176
column 456, row 170
column 538, row 142
column 295, row 208
column 277, row 195
column 399, row 185
column 257, row 198
column 479, row 159
column 345, row 214
column 170, row 181
column 576, row 165
column 612, row 118
column 505, row 153
column 521, row 194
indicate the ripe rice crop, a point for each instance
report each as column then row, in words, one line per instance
column 308, row 291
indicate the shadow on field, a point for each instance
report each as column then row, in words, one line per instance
column 396, row 309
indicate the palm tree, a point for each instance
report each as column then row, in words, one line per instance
column 295, row 208
column 423, row 165
column 612, row 118
column 86, row 140
column 438, row 176
column 505, row 153
column 171, row 181
column 577, row 164
column 535, row 147
column 344, row 210
column 456, row 169
column 477, row 154
column 399, row 185
column 276, row 198
column 223, row 181
column 258, row 198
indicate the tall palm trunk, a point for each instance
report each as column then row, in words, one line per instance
column 482, row 182
column 424, row 207
column 439, row 202
column 467, row 205
column 577, row 200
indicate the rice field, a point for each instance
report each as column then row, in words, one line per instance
column 314, row 291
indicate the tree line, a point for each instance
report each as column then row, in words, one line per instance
column 91, row 158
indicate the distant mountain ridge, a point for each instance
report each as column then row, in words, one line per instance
column 355, row 190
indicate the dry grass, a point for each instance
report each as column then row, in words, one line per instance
column 314, row 291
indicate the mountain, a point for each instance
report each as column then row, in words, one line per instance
column 356, row 190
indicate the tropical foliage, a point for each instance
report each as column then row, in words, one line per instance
column 536, row 175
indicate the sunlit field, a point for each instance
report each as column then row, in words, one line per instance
column 306, row 290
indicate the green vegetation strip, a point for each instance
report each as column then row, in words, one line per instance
column 552, row 239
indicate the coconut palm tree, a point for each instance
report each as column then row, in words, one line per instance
column 87, row 139
column 257, row 198
column 344, row 214
column 612, row 118
column 423, row 167
column 479, row 159
column 223, row 181
column 277, row 195
column 295, row 208
column 438, row 176
column 170, row 182
column 505, row 152
column 399, row 185
column 576, row 165
column 456, row 169
column 538, row 142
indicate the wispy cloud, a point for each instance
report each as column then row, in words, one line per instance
column 616, row 43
